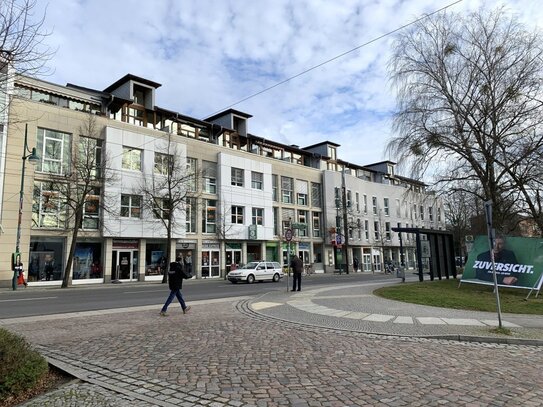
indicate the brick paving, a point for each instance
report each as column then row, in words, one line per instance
column 266, row 352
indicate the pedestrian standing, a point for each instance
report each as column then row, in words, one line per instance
column 18, row 268
column 175, row 282
column 297, row 267
column 188, row 262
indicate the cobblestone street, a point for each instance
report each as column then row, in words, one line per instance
column 223, row 354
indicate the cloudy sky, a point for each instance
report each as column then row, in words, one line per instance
column 210, row 54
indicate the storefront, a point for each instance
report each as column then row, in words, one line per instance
column 254, row 252
column 186, row 250
column 87, row 263
column 272, row 252
column 155, row 260
column 232, row 255
column 125, row 260
column 366, row 259
column 46, row 259
column 210, row 263
column 303, row 252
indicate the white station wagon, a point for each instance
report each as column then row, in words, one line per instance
column 257, row 271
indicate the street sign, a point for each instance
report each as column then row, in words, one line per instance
column 288, row 235
column 340, row 239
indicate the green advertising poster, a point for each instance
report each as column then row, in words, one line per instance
column 518, row 262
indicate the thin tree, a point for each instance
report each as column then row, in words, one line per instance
column 22, row 44
column 167, row 193
column 469, row 107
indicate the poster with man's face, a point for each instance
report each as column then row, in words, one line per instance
column 518, row 262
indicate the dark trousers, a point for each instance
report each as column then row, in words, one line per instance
column 296, row 278
column 173, row 294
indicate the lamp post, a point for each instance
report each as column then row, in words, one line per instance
column 345, row 226
column 33, row 159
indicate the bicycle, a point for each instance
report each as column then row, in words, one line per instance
column 308, row 270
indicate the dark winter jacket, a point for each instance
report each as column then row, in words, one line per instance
column 296, row 265
column 175, row 276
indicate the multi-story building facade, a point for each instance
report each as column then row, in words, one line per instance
column 244, row 193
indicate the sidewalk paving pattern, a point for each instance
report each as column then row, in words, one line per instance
column 335, row 346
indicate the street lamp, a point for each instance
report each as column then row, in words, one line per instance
column 33, row 159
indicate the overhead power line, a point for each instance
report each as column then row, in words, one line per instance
column 336, row 57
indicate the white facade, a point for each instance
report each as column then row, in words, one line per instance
column 245, row 197
column 130, row 182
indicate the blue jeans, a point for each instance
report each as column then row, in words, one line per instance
column 174, row 293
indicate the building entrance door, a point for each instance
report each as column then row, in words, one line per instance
column 124, row 265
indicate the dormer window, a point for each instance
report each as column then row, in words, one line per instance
column 390, row 169
column 332, row 153
column 139, row 96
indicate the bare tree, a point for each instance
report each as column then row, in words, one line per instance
column 22, row 44
column 168, row 192
column 469, row 107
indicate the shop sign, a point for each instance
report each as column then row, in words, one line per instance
column 126, row 244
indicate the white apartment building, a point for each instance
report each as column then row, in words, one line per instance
column 246, row 191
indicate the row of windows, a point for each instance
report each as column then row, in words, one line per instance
column 416, row 212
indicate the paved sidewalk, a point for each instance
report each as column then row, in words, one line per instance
column 336, row 346
column 354, row 308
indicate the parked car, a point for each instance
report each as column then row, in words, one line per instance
column 257, row 271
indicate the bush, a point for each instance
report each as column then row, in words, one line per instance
column 20, row 366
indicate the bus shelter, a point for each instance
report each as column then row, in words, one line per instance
column 438, row 247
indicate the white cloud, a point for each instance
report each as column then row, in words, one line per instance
column 208, row 54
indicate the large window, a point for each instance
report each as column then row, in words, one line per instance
column 357, row 201
column 210, row 177
column 377, row 235
column 374, row 204
column 163, row 164
column 286, row 189
column 275, row 195
column 130, row 206
column 257, row 216
column 316, row 195
column 48, row 209
column 316, row 224
column 237, row 177
column 192, row 169
column 131, row 159
column 162, row 208
column 91, row 210
column 90, row 154
column 388, row 232
column 209, row 216
column 237, row 215
column 54, row 149
column 302, row 218
column 190, row 215
column 302, row 191
column 257, row 179
column 386, row 206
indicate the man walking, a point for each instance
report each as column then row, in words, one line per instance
column 297, row 268
column 175, row 282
